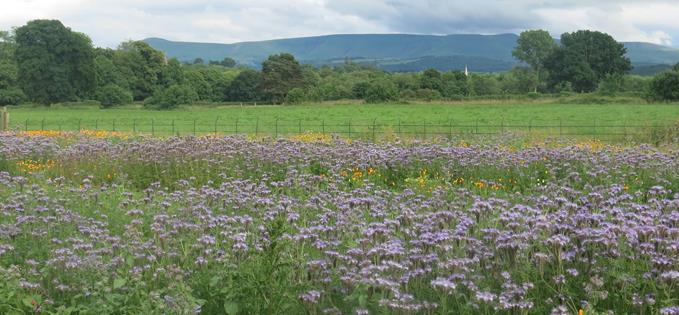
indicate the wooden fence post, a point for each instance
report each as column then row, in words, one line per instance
column 399, row 128
column 276, row 130
column 4, row 120
column 374, row 121
column 257, row 126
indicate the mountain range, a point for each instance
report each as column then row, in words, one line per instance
column 398, row 52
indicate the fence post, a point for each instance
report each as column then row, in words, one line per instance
column 349, row 128
column 173, row 127
column 530, row 125
column 114, row 125
column 323, row 126
column 502, row 126
column 477, row 126
column 4, row 122
column 399, row 127
column 216, row 120
column 194, row 127
column 300, row 126
column 594, row 126
column 42, row 124
column 134, row 125
column 153, row 127
column 450, row 129
column 560, row 128
column 26, row 125
column 276, row 129
column 80, row 125
column 236, row 126
column 374, row 121
column 257, row 126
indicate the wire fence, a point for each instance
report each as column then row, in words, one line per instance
column 357, row 129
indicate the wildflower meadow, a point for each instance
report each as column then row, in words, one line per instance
column 109, row 223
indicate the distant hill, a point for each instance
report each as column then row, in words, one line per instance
column 395, row 52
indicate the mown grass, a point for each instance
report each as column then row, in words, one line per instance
column 353, row 118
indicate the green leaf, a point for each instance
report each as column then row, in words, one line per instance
column 231, row 308
column 28, row 301
column 214, row 281
column 119, row 283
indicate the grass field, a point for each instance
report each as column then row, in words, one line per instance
column 354, row 119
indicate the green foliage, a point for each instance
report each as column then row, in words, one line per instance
column 381, row 90
column 112, row 95
column 245, row 87
column 534, row 47
column 295, row 96
column 280, row 74
column 141, row 65
column 54, row 63
column 431, row 80
column 665, row 87
column 226, row 62
column 173, row 96
column 585, row 58
column 11, row 96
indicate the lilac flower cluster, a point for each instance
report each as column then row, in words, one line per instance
column 283, row 212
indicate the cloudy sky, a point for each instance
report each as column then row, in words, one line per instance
column 109, row 22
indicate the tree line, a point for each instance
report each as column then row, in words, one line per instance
column 46, row 62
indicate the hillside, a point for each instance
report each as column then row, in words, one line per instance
column 394, row 52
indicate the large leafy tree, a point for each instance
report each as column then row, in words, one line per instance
column 141, row 65
column 280, row 74
column 245, row 87
column 585, row 58
column 54, row 63
column 534, row 47
column 10, row 93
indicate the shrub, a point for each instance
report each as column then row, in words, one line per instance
column 172, row 97
column 113, row 95
column 11, row 96
column 381, row 90
column 664, row 87
column 295, row 96
column 428, row 94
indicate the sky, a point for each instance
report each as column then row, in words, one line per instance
column 109, row 22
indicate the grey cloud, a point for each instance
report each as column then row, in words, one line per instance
column 111, row 21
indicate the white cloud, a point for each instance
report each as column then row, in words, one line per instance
column 109, row 22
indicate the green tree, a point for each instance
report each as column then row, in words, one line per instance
column 431, row 79
column 54, row 63
column 105, row 72
column 141, row 65
column 280, row 74
column 455, row 84
column 173, row 96
column 112, row 95
column 585, row 58
column 534, row 47
column 295, row 96
column 245, row 87
column 381, row 90
column 664, row 87
column 172, row 73
column 10, row 93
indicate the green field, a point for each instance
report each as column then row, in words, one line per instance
column 357, row 119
